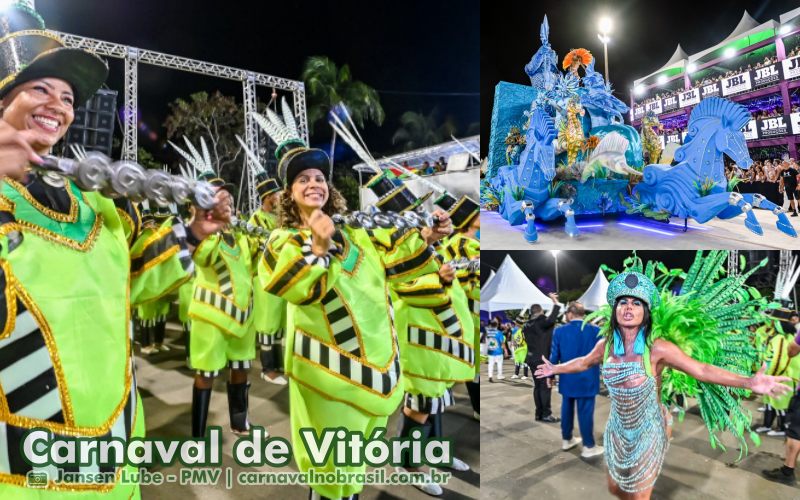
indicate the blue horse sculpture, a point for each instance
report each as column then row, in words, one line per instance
column 696, row 186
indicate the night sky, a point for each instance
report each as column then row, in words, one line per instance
column 573, row 265
column 414, row 46
column 644, row 38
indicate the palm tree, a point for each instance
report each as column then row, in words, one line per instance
column 418, row 130
column 328, row 86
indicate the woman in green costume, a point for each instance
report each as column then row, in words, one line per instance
column 464, row 244
column 269, row 311
column 220, row 308
column 152, row 316
column 342, row 354
column 71, row 267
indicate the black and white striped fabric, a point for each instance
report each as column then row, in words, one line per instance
column 341, row 323
column 12, row 437
column 441, row 343
column 223, row 277
column 264, row 339
column 175, row 237
column 27, row 376
column 206, row 374
column 223, row 304
column 184, row 255
column 474, row 306
column 311, row 258
column 447, row 316
column 428, row 405
column 239, row 365
column 370, row 378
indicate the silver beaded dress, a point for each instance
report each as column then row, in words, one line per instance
column 635, row 438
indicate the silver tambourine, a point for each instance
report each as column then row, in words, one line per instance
column 128, row 179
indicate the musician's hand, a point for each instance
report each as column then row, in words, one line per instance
column 16, row 151
column 440, row 230
column 447, row 274
column 208, row 222
column 322, row 230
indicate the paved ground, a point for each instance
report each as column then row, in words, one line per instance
column 165, row 386
column 523, row 458
column 612, row 233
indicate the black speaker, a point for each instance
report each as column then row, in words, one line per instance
column 93, row 126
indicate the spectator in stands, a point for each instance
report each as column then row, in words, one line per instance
column 427, row 169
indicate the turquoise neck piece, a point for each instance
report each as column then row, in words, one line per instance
column 638, row 344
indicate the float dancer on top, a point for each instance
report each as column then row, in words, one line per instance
column 343, row 361
column 68, row 273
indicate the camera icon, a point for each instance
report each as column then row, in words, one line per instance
column 37, row 479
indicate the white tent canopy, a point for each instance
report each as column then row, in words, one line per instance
column 492, row 274
column 595, row 296
column 511, row 289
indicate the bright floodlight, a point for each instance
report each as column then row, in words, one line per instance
column 729, row 52
column 691, row 67
column 662, row 79
column 785, row 29
column 5, row 4
column 555, row 252
column 638, row 90
column 605, row 25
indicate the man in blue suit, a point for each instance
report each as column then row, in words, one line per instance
column 571, row 341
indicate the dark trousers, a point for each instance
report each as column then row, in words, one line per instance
column 541, row 393
column 585, row 418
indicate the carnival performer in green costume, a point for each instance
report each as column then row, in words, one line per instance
column 646, row 332
column 220, row 309
column 342, row 354
column 433, row 322
column 464, row 244
column 269, row 311
column 152, row 316
column 68, row 273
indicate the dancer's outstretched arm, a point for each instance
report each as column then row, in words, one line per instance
column 759, row 383
column 576, row 365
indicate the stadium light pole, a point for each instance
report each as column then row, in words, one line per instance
column 555, row 256
column 605, row 25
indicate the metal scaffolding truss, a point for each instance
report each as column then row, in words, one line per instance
column 250, row 80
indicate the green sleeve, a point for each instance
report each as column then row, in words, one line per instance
column 160, row 262
column 426, row 292
column 290, row 270
column 404, row 253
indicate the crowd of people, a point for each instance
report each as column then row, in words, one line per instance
column 768, row 60
column 426, row 168
column 781, row 174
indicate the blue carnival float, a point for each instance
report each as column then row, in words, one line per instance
column 559, row 148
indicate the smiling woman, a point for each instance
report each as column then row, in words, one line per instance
column 44, row 106
column 72, row 264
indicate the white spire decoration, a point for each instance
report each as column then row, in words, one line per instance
column 200, row 162
column 280, row 130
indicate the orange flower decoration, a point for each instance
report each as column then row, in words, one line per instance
column 583, row 55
